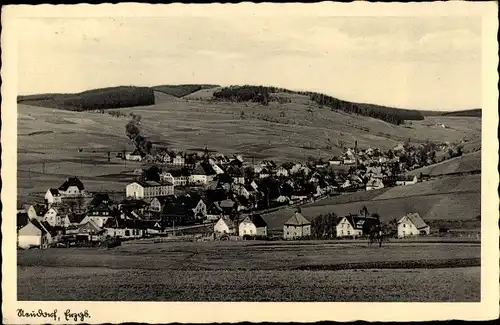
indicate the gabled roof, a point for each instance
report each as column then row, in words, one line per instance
column 75, row 218
column 54, row 192
column 416, row 219
column 203, row 169
column 360, row 222
column 72, row 181
column 297, row 220
column 99, row 198
column 258, row 221
column 228, row 203
column 227, row 221
column 22, row 219
column 40, row 209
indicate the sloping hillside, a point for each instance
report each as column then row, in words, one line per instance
column 463, row 164
column 181, row 90
column 442, row 200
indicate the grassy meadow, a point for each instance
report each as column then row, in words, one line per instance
column 254, row 271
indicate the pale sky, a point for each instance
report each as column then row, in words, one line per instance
column 423, row 63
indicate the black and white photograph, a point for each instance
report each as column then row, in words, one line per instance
column 295, row 155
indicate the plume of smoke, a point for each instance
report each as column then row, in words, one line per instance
column 133, row 132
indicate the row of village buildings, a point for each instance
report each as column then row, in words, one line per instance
column 151, row 206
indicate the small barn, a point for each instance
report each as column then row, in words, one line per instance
column 412, row 224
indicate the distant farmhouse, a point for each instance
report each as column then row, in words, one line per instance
column 412, row 224
column 296, row 227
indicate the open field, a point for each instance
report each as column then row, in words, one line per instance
column 254, row 271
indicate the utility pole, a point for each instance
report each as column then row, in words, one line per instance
column 109, row 156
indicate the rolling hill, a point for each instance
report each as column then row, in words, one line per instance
column 467, row 163
column 442, row 201
column 66, row 142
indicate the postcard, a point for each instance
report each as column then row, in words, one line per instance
column 250, row 162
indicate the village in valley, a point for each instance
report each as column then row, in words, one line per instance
column 206, row 196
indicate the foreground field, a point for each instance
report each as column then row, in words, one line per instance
column 254, row 271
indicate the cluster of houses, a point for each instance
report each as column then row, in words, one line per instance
column 220, row 190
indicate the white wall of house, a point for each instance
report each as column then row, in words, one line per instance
column 125, row 232
column 247, row 228
column 52, row 218
column 198, row 179
column 293, row 232
column 282, row 172
column 345, row 229
column 406, row 228
column 71, row 191
column 98, row 220
column 28, row 236
column 135, row 190
column 51, row 199
column 133, row 157
column 221, row 227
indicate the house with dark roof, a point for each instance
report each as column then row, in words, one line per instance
column 297, row 226
column 412, row 224
column 202, row 174
column 36, row 211
column 72, row 187
column 72, row 219
column 52, row 196
column 253, row 226
column 34, row 234
column 99, row 198
column 236, row 173
column 22, row 219
column 98, row 214
column 355, row 225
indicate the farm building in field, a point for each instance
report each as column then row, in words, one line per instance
column 71, row 187
column 224, row 226
column 412, row 224
column 34, row 234
column 296, row 227
column 149, row 189
column 354, row 225
column 52, row 196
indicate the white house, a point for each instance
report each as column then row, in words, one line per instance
column 148, row 189
column 34, row 234
column 53, row 218
column 247, row 228
column 296, row 227
column 374, row 184
column 52, row 196
column 353, row 225
column 346, row 228
column 412, row 225
column 224, row 226
column 176, row 177
column 335, row 162
column 282, row 199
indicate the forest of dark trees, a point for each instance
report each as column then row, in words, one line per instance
column 98, row 99
column 257, row 94
column 262, row 95
column 389, row 114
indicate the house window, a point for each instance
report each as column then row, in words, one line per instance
column 127, row 233
column 404, row 225
column 348, row 232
